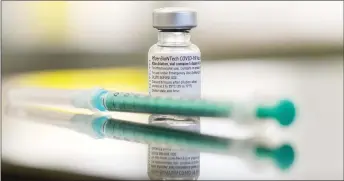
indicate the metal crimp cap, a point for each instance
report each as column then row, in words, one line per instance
column 174, row 18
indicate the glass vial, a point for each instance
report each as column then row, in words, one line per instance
column 174, row 70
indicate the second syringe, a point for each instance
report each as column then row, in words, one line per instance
column 252, row 149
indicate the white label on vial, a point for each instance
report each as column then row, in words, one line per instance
column 175, row 75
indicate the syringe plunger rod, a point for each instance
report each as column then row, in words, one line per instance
column 283, row 111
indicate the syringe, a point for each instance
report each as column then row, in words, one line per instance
column 254, row 149
column 283, row 111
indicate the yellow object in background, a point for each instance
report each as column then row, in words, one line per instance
column 51, row 21
column 121, row 79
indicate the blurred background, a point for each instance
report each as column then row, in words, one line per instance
column 294, row 48
column 61, row 34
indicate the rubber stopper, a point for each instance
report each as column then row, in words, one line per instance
column 96, row 100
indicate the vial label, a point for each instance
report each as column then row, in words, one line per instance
column 171, row 163
column 174, row 75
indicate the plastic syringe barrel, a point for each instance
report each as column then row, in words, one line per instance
column 283, row 111
column 99, row 99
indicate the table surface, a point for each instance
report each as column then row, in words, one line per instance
column 316, row 85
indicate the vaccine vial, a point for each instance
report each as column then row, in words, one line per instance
column 174, row 70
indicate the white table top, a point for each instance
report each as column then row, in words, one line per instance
column 315, row 85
